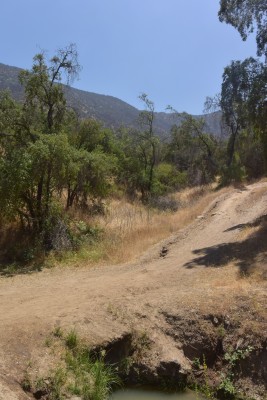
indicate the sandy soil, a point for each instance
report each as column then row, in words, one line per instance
column 202, row 270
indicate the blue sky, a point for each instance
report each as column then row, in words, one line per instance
column 173, row 50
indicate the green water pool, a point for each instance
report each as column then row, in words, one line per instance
column 142, row 394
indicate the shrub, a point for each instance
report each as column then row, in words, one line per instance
column 235, row 173
column 168, row 179
column 165, row 203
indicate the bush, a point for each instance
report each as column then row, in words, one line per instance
column 235, row 173
column 165, row 203
column 168, row 179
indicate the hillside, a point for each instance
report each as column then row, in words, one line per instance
column 112, row 111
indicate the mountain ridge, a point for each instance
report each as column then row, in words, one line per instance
column 111, row 111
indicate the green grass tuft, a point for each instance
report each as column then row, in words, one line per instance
column 71, row 339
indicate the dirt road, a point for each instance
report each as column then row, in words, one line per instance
column 200, row 271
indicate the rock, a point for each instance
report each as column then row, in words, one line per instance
column 116, row 349
column 163, row 251
column 172, row 371
column 165, row 363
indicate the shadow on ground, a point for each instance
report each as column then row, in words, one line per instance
column 245, row 254
column 19, row 254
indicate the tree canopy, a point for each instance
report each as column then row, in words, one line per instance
column 246, row 16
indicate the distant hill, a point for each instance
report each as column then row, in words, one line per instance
column 112, row 111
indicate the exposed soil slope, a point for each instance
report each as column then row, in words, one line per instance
column 214, row 267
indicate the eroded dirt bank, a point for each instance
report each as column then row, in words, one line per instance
column 205, row 294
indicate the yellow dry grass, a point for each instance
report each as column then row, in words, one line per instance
column 131, row 228
column 247, row 232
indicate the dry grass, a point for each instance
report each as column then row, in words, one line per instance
column 247, row 232
column 131, row 228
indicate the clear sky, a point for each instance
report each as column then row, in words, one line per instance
column 173, row 50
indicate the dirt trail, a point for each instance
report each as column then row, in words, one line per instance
column 100, row 302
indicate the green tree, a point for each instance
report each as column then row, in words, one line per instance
column 192, row 150
column 129, row 165
column 139, row 154
column 237, row 81
column 148, row 145
column 243, row 99
column 93, row 165
column 246, row 16
column 44, row 97
column 257, row 104
column 35, row 146
column 10, row 113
